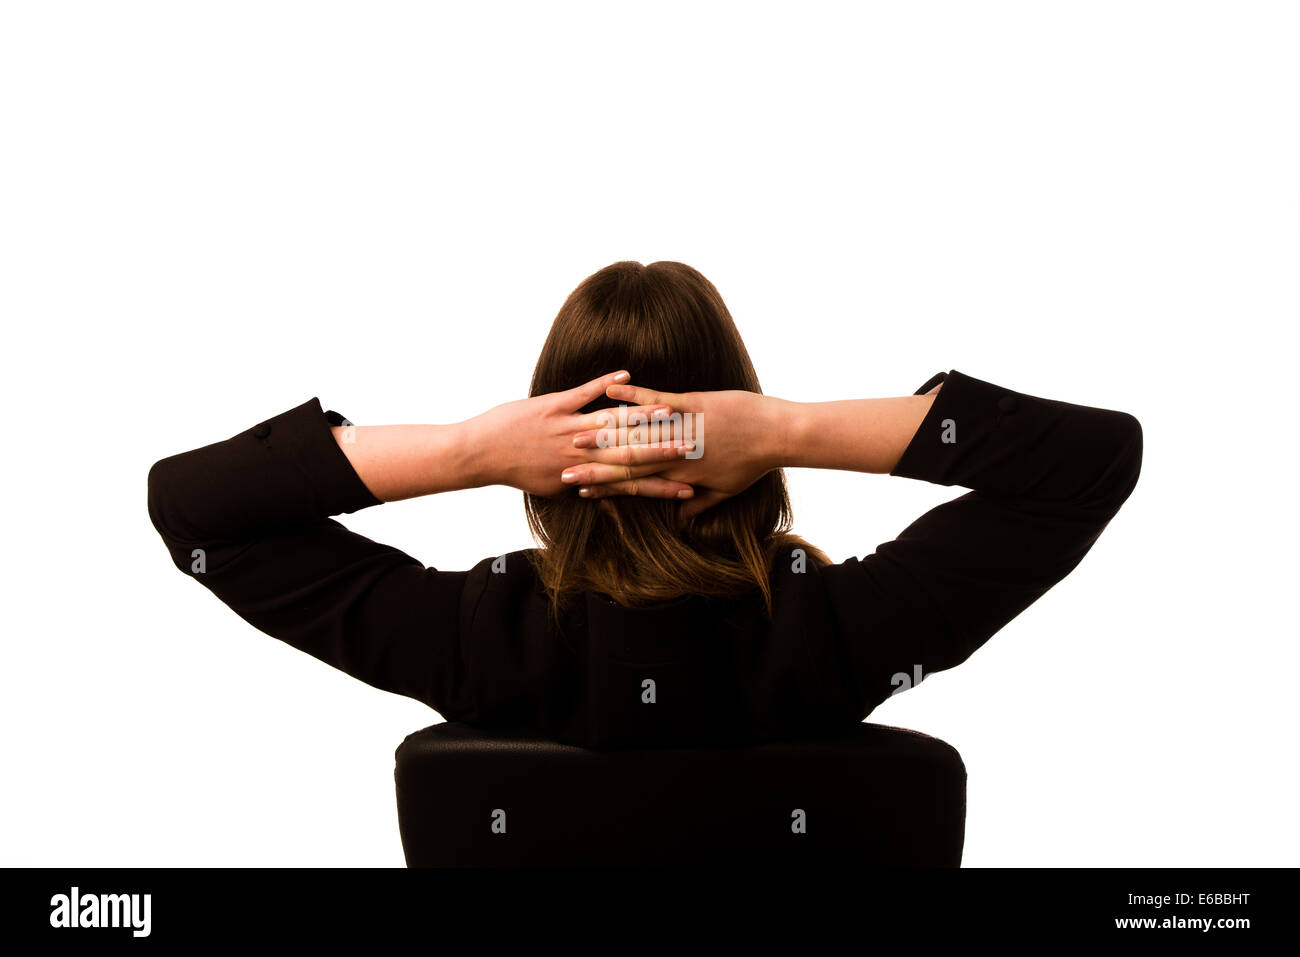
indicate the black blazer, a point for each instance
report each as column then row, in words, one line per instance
column 249, row 519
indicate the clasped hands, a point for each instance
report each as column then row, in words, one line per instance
column 545, row 446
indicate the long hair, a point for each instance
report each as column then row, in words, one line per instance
column 668, row 326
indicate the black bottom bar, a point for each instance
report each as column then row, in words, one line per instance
column 343, row 907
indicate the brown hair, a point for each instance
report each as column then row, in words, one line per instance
column 668, row 326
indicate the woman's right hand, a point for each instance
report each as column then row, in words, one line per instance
column 738, row 439
column 528, row 443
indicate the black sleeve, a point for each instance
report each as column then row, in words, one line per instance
column 1047, row 477
column 248, row 519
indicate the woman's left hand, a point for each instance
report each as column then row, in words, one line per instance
column 528, row 444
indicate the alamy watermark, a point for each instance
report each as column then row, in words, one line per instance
column 76, row 909
column 651, row 430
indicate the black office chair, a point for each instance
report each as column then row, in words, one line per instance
column 872, row 796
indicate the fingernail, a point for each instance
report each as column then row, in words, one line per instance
column 685, row 493
column 659, row 414
column 622, row 376
column 584, row 492
column 568, row 477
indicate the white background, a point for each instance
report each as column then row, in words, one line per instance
column 213, row 212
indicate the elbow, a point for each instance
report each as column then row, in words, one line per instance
column 1126, row 466
column 1107, row 466
column 170, row 481
column 162, row 499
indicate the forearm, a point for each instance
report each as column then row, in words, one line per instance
column 406, row 461
column 858, row 435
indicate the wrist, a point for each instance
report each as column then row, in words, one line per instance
column 783, row 433
column 468, row 447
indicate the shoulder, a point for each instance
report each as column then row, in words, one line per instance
column 504, row 608
column 509, row 565
column 501, row 576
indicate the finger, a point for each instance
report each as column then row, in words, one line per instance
column 620, row 417
column 575, row 398
column 699, row 503
column 661, row 432
column 652, row 486
column 660, row 452
column 651, row 433
column 595, row 473
column 642, row 396
column 654, row 432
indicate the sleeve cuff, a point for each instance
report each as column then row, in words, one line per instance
column 336, row 486
column 931, row 382
column 965, row 412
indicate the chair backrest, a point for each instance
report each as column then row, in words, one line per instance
column 872, row 796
